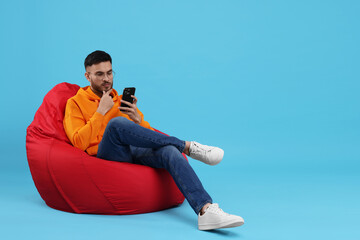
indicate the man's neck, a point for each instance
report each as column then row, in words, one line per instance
column 97, row 93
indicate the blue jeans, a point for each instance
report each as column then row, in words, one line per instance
column 125, row 141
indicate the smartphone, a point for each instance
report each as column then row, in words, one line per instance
column 127, row 95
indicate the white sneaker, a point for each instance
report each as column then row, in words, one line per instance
column 206, row 154
column 214, row 218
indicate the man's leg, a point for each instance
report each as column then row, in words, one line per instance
column 170, row 158
column 121, row 133
column 122, row 136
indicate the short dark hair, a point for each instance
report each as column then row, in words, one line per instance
column 97, row 57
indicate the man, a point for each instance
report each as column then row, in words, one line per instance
column 96, row 123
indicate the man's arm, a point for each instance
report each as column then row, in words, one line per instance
column 80, row 132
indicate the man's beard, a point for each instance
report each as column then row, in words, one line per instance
column 99, row 89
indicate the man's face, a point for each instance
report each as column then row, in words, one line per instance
column 100, row 77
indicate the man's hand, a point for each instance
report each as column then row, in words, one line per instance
column 131, row 111
column 106, row 103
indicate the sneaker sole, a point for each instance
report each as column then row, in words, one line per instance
column 221, row 225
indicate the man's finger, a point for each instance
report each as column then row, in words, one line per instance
column 124, row 109
column 131, row 110
column 127, row 103
column 135, row 99
column 109, row 91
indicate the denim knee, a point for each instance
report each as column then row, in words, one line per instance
column 118, row 122
column 170, row 154
column 169, row 151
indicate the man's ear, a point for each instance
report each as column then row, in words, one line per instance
column 87, row 76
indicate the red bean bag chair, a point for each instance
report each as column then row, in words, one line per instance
column 70, row 180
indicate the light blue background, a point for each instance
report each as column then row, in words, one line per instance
column 274, row 83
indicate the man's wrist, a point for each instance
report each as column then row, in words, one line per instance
column 138, row 120
column 101, row 112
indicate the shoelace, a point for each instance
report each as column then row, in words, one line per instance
column 215, row 209
column 198, row 149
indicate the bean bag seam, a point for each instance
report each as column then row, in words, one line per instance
column 89, row 175
column 53, row 178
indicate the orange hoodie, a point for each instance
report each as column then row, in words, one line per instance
column 84, row 126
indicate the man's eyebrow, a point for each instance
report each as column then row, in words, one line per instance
column 103, row 72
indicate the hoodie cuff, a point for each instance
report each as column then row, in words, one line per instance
column 97, row 118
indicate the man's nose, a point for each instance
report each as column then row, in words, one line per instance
column 106, row 77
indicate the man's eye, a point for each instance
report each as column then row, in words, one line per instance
column 99, row 74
